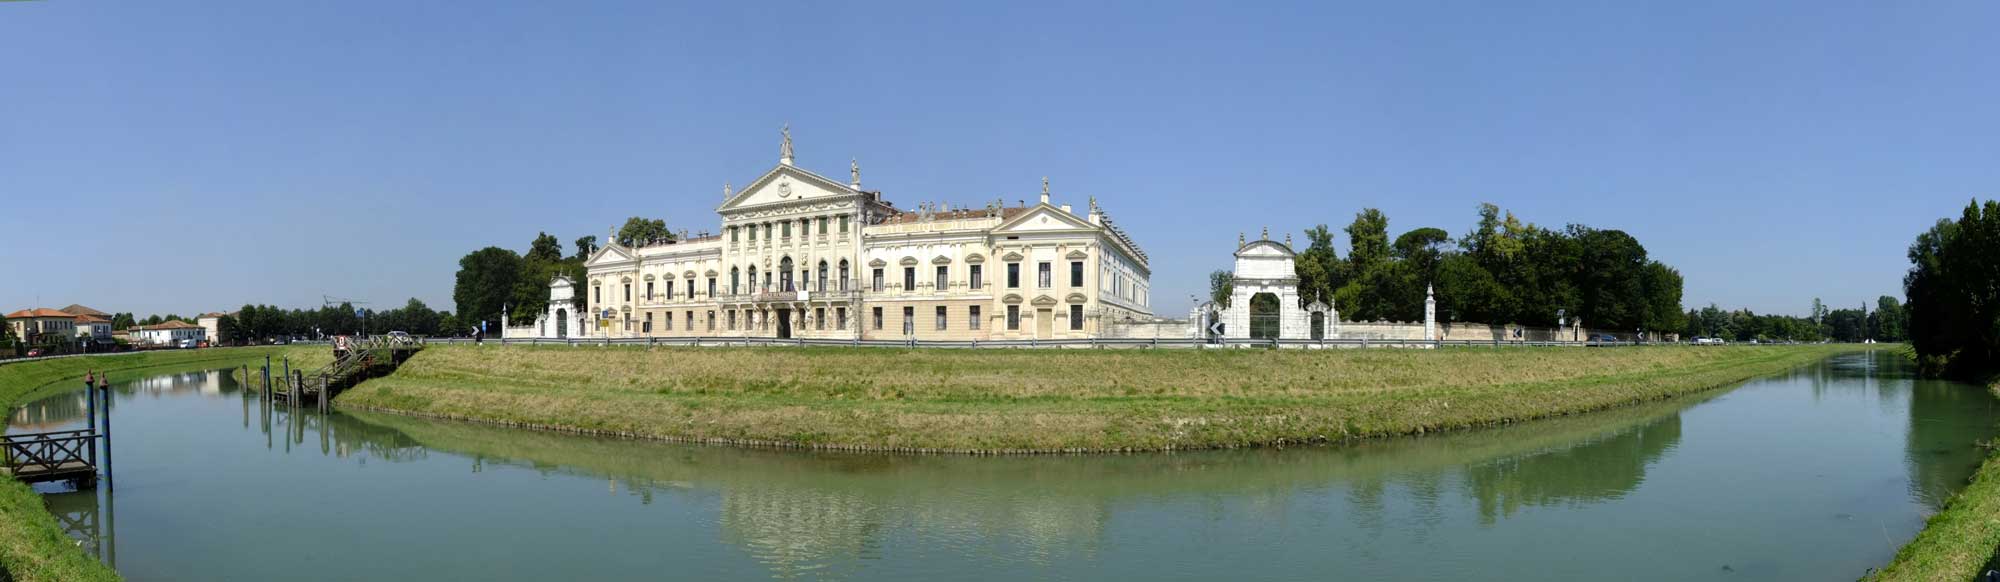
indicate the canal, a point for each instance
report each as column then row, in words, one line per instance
column 1817, row 474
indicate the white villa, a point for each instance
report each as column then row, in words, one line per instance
column 803, row 255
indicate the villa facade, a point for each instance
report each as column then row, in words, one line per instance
column 800, row 255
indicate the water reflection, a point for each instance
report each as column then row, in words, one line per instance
column 1438, row 506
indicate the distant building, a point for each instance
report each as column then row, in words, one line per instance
column 211, row 325
column 802, row 255
column 167, row 334
column 43, row 326
column 93, row 328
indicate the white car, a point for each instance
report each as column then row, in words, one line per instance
column 187, row 344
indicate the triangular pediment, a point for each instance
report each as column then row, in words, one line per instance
column 785, row 184
column 1043, row 217
column 609, row 254
column 1264, row 248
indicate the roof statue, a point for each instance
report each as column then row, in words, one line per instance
column 1045, row 187
column 854, row 173
column 785, row 150
column 1267, row 233
column 726, row 193
column 1288, row 239
column 1239, row 240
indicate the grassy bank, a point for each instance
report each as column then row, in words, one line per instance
column 1961, row 541
column 1043, row 400
column 32, row 547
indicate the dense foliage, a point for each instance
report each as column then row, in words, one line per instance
column 493, row 278
column 1953, row 316
column 256, row 324
column 1504, row 271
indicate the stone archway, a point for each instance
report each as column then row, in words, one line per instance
column 1266, row 316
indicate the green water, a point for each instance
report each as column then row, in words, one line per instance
column 1818, row 474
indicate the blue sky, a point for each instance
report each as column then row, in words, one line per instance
column 185, row 157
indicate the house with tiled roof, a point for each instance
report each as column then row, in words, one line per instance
column 211, row 325
column 43, row 326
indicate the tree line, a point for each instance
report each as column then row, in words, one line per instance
column 256, row 324
column 1884, row 324
column 495, row 278
column 1502, row 271
column 1953, row 288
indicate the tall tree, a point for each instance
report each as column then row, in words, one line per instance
column 545, row 248
column 1318, row 267
column 639, row 230
column 1889, row 320
column 486, row 280
column 1953, row 288
column 1220, row 285
column 585, row 246
column 1367, row 241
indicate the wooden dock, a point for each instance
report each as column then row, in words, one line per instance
column 365, row 360
column 50, row 456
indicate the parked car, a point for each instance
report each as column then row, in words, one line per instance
column 1708, row 341
column 35, row 353
column 1604, row 337
column 188, row 344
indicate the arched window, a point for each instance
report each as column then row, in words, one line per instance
column 843, row 274
column 753, row 279
column 735, row 283
column 785, row 269
column 822, row 277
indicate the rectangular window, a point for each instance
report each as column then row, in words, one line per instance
column 711, row 288
column 909, row 278
column 1013, row 275
column 822, row 226
column 711, row 283
column 1076, row 273
column 941, row 318
column 909, row 320
column 878, row 319
column 1042, row 276
column 819, row 318
column 805, row 228
column 1076, row 317
column 975, row 283
column 711, row 319
column 648, row 325
column 649, row 290
column 843, row 224
column 596, row 294
column 753, row 232
column 972, row 318
column 943, row 273
column 877, row 282
column 1013, row 317
column 670, row 321
column 840, row 318
column 732, row 234
column 786, row 230
column 767, row 232
column 732, row 321
column 670, row 290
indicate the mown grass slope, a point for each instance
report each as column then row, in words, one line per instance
column 1043, row 400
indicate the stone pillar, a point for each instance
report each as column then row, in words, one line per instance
column 1430, row 315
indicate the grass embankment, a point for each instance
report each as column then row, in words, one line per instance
column 32, row 547
column 1042, row 400
column 1962, row 540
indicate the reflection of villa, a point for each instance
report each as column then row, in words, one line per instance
column 803, row 255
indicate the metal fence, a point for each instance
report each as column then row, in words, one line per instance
column 1134, row 343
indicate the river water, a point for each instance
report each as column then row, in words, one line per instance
column 1817, row 474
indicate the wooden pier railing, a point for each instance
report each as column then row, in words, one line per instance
column 363, row 360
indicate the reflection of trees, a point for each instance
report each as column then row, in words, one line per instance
column 801, row 512
column 1946, row 418
column 1601, row 468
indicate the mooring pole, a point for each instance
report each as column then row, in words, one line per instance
column 267, row 373
column 90, row 412
column 288, row 371
column 105, row 383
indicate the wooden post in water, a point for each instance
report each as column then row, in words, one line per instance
column 90, row 412
column 288, row 374
column 105, row 383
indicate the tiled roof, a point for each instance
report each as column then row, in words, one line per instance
column 39, row 312
column 91, row 319
column 175, row 324
column 78, row 309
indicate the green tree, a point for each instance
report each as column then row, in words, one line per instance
column 1889, row 325
column 1367, row 242
column 1953, row 292
column 585, row 246
column 545, row 248
column 638, row 231
column 1220, row 285
column 486, row 281
column 1318, row 267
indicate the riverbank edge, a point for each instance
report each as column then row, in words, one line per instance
column 33, row 548
column 1754, row 369
column 1962, row 540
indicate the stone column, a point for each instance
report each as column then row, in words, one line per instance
column 1430, row 315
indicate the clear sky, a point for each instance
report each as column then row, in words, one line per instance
column 192, row 156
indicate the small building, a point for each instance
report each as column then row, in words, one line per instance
column 211, row 325
column 167, row 334
column 93, row 328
